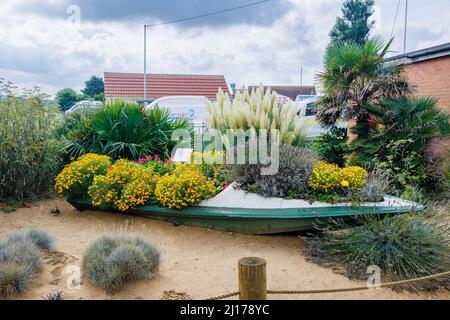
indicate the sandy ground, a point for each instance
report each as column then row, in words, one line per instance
column 196, row 262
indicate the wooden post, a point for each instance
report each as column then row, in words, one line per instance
column 252, row 279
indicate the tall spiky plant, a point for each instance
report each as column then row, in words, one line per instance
column 355, row 76
column 256, row 110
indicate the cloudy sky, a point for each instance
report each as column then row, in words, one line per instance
column 61, row 43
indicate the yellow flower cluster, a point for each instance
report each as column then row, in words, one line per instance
column 329, row 178
column 122, row 172
column 355, row 177
column 76, row 177
column 125, row 186
column 102, row 193
column 325, row 177
column 139, row 191
column 185, row 187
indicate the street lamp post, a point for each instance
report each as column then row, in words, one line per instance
column 145, row 64
column 406, row 26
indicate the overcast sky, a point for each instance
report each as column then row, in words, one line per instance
column 42, row 42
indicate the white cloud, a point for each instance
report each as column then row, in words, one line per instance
column 49, row 52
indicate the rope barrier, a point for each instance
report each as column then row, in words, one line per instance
column 224, row 296
column 383, row 285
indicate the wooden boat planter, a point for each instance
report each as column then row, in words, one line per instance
column 237, row 211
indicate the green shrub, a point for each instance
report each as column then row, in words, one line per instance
column 20, row 259
column 295, row 167
column 29, row 144
column 413, row 193
column 396, row 144
column 110, row 262
column 404, row 247
column 122, row 129
column 76, row 130
column 332, row 146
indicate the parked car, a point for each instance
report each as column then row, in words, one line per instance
column 84, row 105
column 303, row 97
column 193, row 108
column 312, row 127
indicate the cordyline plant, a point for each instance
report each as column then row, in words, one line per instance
column 355, row 76
column 256, row 111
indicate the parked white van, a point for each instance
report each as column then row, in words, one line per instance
column 193, row 108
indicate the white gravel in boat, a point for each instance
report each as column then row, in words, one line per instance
column 232, row 197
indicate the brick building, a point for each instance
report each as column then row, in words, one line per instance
column 429, row 70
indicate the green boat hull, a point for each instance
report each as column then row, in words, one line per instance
column 252, row 221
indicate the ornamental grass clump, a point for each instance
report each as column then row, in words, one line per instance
column 378, row 184
column 403, row 247
column 42, row 239
column 187, row 186
column 20, row 260
column 111, row 262
column 255, row 111
column 75, row 179
column 14, row 278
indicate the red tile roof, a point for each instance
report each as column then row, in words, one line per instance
column 131, row 85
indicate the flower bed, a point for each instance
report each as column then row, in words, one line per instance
column 125, row 185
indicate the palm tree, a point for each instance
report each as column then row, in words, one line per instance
column 417, row 120
column 355, row 76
